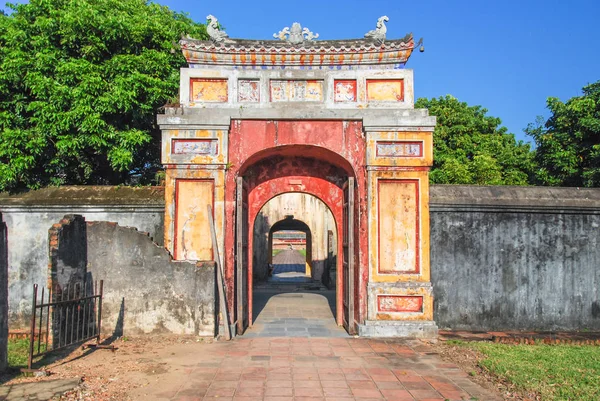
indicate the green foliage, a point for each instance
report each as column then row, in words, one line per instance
column 470, row 147
column 80, row 85
column 556, row 372
column 568, row 143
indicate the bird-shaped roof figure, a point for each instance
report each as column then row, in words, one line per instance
column 378, row 34
column 213, row 30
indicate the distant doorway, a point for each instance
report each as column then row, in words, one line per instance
column 290, row 256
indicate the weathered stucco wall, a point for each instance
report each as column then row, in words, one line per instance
column 145, row 291
column 507, row 258
column 501, row 257
column 28, row 216
column 3, row 295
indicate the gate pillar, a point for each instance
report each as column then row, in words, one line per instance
column 195, row 160
column 399, row 291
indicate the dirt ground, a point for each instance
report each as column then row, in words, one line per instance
column 111, row 375
column 108, row 375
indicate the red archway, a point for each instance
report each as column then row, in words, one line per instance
column 269, row 158
column 276, row 171
column 330, row 194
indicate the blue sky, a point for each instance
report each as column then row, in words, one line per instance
column 507, row 56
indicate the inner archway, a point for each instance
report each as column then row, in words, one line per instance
column 319, row 172
column 295, row 266
column 311, row 231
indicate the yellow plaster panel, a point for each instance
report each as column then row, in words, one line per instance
column 400, row 149
column 385, row 90
column 398, row 226
column 382, row 312
column 397, row 238
column 192, row 229
column 174, row 175
column 208, row 90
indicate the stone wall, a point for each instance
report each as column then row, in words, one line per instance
column 145, row 291
column 507, row 258
column 29, row 215
column 501, row 257
column 3, row 295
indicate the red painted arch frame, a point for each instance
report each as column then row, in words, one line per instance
column 326, row 191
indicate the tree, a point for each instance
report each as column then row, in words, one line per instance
column 568, row 143
column 470, row 147
column 80, row 84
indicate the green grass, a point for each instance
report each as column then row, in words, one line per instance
column 18, row 351
column 301, row 251
column 556, row 372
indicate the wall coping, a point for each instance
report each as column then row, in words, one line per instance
column 514, row 198
column 442, row 197
column 86, row 196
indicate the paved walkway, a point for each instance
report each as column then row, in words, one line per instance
column 317, row 369
column 291, row 304
column 289, row 266
column 37, row 391
column 294, row 312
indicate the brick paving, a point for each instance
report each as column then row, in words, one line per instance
column 295, row 351
column 294, row 312
column 291, row 304
column 282, row 369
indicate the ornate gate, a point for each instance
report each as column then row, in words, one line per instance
column 288, row 104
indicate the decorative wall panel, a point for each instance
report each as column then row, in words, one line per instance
column 192, row 229
column 208, row 90
column 385, row 90
column 399, row 303
column 249, row 90
column 344, row 90
column 296, row 91
column 399, row 229
column 399, row 149
column 195, row 146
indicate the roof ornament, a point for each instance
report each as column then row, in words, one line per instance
column 213, row 30
column 296, row 35
column 378, row 34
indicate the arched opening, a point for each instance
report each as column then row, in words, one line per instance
column 294, row 272
column 290, row 251
column 318, row 174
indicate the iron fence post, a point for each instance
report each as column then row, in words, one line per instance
column 100, row 311
column 32, row 334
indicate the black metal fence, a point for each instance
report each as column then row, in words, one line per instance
column 67, row 316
